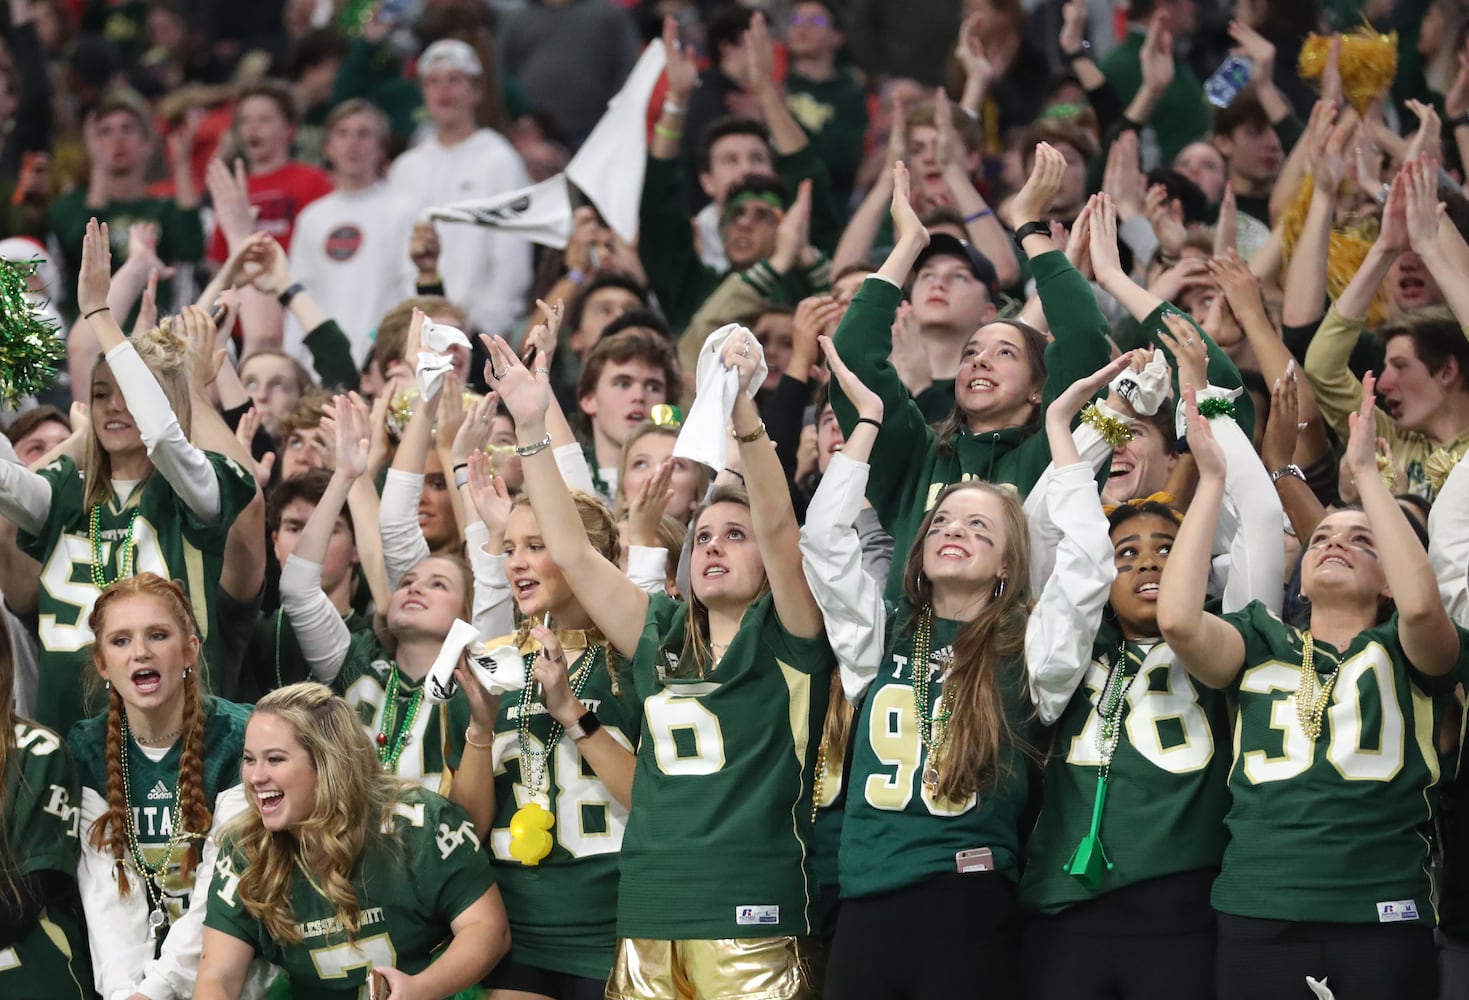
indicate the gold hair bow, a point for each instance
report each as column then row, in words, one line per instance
column 1166, row 499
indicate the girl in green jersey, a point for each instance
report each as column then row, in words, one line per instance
column 716, row 895
column 43, row 950
column 938, row 771
column 1131, row 828
column 160, row 775
column 1335, row 761
column 357, row 884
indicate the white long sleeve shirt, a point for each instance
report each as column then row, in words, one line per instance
column 1448, row 542
column 485, row 271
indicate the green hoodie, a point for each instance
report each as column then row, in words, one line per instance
column 909, row 468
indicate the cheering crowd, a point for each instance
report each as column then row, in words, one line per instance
column 584, row 498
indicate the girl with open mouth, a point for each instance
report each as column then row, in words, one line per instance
column 732, row 685
column 1131, row 828
column 351, row 880
column 1334, row 756
column 160, row 777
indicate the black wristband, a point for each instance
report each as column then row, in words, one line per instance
column 284, row 298
column 869, row 420
column 1459, row 121
column 1032, row 229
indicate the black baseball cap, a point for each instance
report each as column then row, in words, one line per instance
column 944, row 245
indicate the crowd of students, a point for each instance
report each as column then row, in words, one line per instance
column 782, row 604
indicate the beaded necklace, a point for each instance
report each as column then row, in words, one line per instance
column 1089, row 861
column 820, row 777
column 530, row 826
column 1311, row 699
column 94, row 533
column 389, row 754
column 157, row 914
column 933, row 729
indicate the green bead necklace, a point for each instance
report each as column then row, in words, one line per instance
column 933, row 729
column 389, row 754
column 94, row 535
column 1089, row 861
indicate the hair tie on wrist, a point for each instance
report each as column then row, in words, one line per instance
column 869, row 420
column 95, row 312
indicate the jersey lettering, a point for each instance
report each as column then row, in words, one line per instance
column 687, row 739
column 451, row 839
column 1354, row 749
column 1165, row 722
column 340, row 961
column 588, row 821
column 67, row 579
column 228, row 881
column 895, row 741
column 58, row 804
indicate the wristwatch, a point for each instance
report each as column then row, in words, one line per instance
column 585, row 726
column 1032, row 229
column 1085, row 52
column 1287, row 470
column 290, row 293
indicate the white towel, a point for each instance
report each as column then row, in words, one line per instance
column 1144, row 390
column 541, row 213
column 498, row 670
column 705, row 434
column 433, row 360
column 1320, row 989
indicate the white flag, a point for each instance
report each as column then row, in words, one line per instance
column 608, row 169
column 610, row 164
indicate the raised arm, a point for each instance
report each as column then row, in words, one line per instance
column 1305, row 278
column 773, row 517
column 1439, row 244
column 403, row 541
column 1206, row 645
column 617, row 605
column 322, row 632
column 1424, row 627
column 1068, row 612
column 1448, row 543
column 850, row 599
column 980, row 224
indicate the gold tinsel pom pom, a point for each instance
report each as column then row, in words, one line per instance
column 1368, row 63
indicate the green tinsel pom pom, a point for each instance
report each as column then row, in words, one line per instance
column 354, row 14
column 30, row 348
column 1217, row 407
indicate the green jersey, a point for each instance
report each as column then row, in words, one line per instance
column 1166, row 787
column 718, row 843
column 897, row 831
column 49, row 960
column 152, row 791
column 563, row 912
column 432, row 735
column 166, row 539
column 411, row 882
column 1333, row 830
column 827, row 791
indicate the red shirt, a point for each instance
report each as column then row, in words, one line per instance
column 279, row 196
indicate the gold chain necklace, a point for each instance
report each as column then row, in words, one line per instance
column 1311, row 698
